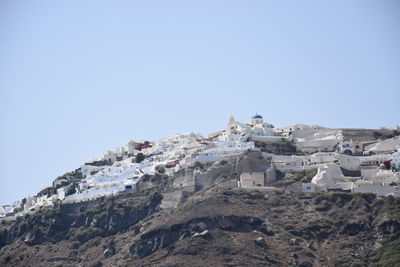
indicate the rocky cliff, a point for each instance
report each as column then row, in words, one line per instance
column 215, row 226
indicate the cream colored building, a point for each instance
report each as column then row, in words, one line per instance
column 252, row 179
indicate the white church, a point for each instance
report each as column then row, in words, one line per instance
column 237, row 131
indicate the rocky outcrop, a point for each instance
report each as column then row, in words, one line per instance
column 228, row 227
column 56, row 225
column 354, row 228
column 389, row 227
column 161, row 238
column 315, row 231
column 251, row 162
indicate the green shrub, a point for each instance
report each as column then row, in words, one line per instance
column 139, row 157
column 155, row 196
column 286, row 235
column 388, row 254
column 291, row 177
column 223, row 162
column 188, row 204
column 156, row 179
column 73, row 253
column 283, row 183
column 83, row 234
column 369, row 197
column 357, row 264
column 198, row 164
column 100, row 216
column 75, row 245
column 340, row 197
column 71, row 191
column 279, row 175
column 310, row 174
column 97, row 209
column 146, row 178
column 160, row 168
column 324, row 206
column 93, row 242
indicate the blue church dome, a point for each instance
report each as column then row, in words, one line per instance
column 257, row 116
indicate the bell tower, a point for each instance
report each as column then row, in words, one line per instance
column 256, row 119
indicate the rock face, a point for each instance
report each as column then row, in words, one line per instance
column 104, row 219
column 161, row 238
column 189, row 180
column 354, row 228
column 222, row 227
column 260, row 241
column 390, row 227
column 251, row 162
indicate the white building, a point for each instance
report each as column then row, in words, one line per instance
column 120, row 150
column 87, row 170
column 299, row 130
column 346, row 147
column 317, row 143
column 238, row 131
column 110, row 156
column 330, row 177
column 295, row 162
column 130, row 147
column 374, row 187
column 7, row 209
column 29, row 203
column 395, row 163
column 224, row 149
column 313, row 138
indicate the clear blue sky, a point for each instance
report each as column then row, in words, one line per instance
column 80, row 77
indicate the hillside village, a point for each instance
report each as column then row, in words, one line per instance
column 293, row 158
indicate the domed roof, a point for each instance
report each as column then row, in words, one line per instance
column 257, row 116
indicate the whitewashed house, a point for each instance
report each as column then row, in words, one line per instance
column 346, row 147
column 374, row 187
column 119, row 151
column 110, row 156
column 130, row 147
column 395, row 163
column 7, row 209
column 330, row 177
column 29, row 202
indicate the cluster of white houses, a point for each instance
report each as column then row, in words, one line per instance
column 326, row 149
